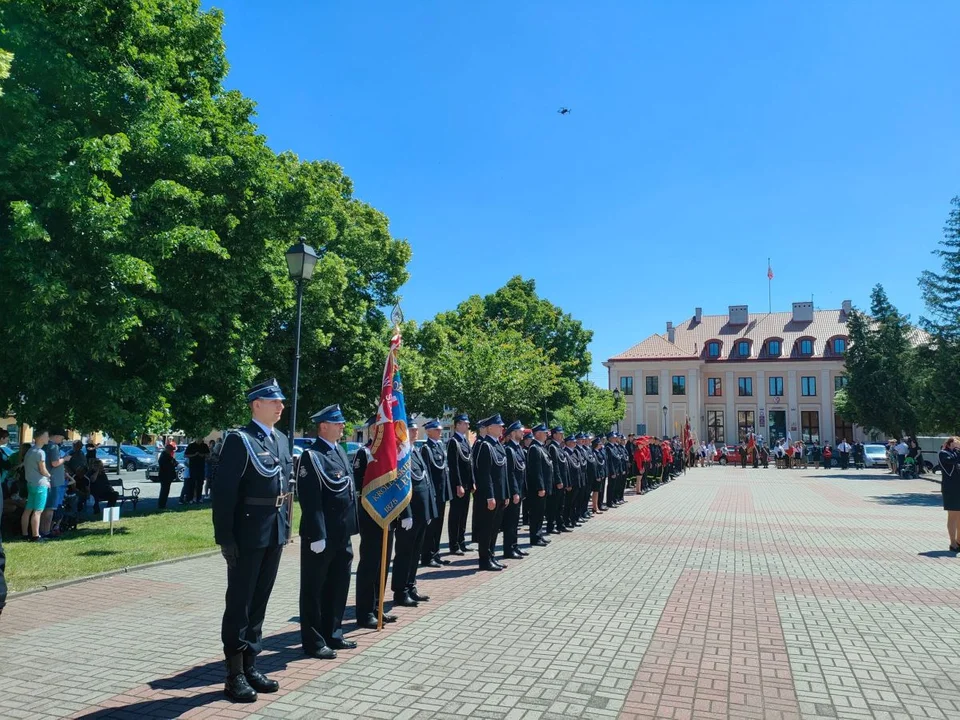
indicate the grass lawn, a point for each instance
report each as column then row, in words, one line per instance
column 138, row 538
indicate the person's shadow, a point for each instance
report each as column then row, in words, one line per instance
column 938, row 554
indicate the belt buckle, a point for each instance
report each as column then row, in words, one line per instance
column 281, row 499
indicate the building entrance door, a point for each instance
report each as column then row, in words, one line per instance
column 778, row 426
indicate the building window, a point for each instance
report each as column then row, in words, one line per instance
column 713, row 349
column 744, row 424
column 776, row 387
column 745, row 387
column 714, row 388
column 679, row 384
column 715, row 426
column 773, row 348
column 743, row 348
column 839, row 382
column 810, row 426
column 839, row 346
column 842, row 429
column 653, row 385
column 808, row 386
column 626, row 385
column 806, row 347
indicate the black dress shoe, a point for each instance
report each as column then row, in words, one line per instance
column 434, row 563
column 520, row 552
column 490, row 567
column 498, row 563
column 260, row 682
column 466, row 548
column 370, row 622
column 419, row 597
column 563, row 529
column 458, row 551
column 342, row 644
column 238, row 689
column 539, row 542
column 512, row 555
column 324, row 653
column 404, row 600
column 441, row 560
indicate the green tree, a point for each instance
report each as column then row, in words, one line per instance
column 595, row 410
column 880, row 366
column 6, row 59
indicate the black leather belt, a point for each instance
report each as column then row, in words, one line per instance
column 267, row 502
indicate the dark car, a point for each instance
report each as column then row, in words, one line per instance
column 153, row 471
column 135, row 458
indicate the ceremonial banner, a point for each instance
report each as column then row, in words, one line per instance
column 386, row 484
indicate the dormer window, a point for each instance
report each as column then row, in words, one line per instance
column 806, row 347
column 773, row 348
column 713, row 349
column 743, row 348
column 839, row 346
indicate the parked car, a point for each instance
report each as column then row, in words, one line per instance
column 728, row 454
column 152, row 473
column 134, row 458
column 874, row 456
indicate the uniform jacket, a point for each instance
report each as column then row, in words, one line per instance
column 460, row 463
column 573, row 467
column 589, row 465
column 252, row 467
column 539, row 469
column 491, row 474
column 601, row 455
column 516, row 468
column 558, row 459
column 613, row 462
column 328, row 498
column 423, row 501
column 435, row 458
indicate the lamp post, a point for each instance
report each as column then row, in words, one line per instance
column 664, row 420
column 616, row 402
column 301, row 260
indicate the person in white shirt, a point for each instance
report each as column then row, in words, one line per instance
column 711, row 453
column 901, row 450
column 844, row 449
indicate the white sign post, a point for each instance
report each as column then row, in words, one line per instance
column 111, row 514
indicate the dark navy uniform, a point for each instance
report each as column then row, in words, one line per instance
column 561, row 481
column 328, row 504
column 460, row 464
column 422, row 509
column 250, row 525
column 516, row 476
column 613, row 470
column 570, row 509
column 435, row 458
column 539, row 477
column 492, row 484
column 590, row 477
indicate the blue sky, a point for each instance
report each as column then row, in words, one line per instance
column 703, row 138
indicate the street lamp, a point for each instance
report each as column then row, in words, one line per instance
column 616, row 402
column 664, row 420
column 301, row 260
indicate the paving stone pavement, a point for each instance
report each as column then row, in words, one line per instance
column 728, row 593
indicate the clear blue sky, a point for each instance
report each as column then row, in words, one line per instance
column 703, row 138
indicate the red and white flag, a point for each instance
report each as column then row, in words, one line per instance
column 769, row 271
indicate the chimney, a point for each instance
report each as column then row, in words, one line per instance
column 698, row 315
column 739, row 315
column 671, row 334
column 847, row 307
column 803, row 312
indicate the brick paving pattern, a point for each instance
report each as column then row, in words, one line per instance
column 729, row 593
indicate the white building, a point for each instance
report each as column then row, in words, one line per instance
column 773, row 373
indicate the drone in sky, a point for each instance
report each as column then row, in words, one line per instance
column 564, row 111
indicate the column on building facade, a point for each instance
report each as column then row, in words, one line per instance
column 694, row 408
column 762, row 404
column 665, row 400
column 825, row 391
column 793, row 407
column 730, row 411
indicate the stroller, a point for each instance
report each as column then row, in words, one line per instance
column 67, row 516
column 909, row 468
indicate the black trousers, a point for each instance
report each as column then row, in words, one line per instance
column 249, row 584
column 487, row 525
column 510, row 526
column 570, row 506
column 324, row 584
column 368, row 568
column 407, row 560
column 536, row 507
column 844, row 460
column 164, row 494
column 457, row 521
column 431, row 543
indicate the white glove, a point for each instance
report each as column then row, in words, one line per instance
column 406, row 523
column 318, row 546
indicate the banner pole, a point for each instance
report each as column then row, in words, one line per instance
column 383, row 579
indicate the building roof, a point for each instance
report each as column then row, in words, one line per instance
column 691, row 337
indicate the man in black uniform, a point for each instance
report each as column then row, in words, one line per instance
column 516, row 478
column 461, row 482
column 328, row 518
column 589, row 464
column 492, row 489
column 371, row 550
column 250, row 525
column 575, row 466
column 435, row 459
column 561, row 481
column 415, row 520
column 539, row 484
column 613, row 469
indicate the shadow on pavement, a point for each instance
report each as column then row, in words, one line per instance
column 938, row 554
column 857, row 475
column 165, row 708
column 921, row 499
